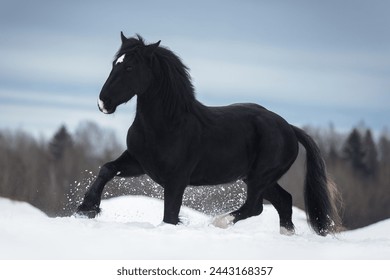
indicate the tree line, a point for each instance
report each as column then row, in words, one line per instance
column 45, row 172
column 53, row 174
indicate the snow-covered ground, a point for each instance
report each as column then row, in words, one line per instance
column 131, row 228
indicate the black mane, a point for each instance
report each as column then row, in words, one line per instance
column 173, row 83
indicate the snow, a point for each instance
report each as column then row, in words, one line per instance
column 223, row 221
column 130, row 228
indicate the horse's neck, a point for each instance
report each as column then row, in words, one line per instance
column 151, row 112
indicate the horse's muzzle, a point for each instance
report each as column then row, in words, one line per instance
column 103, row 108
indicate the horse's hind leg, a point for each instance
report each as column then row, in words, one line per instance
column 282, row 201
column 263, row 185
column 124, row 166
column 253, row 206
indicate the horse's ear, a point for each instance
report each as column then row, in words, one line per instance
column 149, row 49
column 123, row 37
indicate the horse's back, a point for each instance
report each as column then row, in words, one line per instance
column 247, row 117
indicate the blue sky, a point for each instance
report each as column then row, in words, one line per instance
column 313, row 62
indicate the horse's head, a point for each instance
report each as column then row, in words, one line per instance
column 131, row 74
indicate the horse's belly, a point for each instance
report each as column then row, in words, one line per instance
column 227, row 153
column 216, row 168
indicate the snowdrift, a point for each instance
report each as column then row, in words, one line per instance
column 131, row 228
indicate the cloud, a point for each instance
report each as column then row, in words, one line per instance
column 349, row 79
column 43, row 98
column 56, row 59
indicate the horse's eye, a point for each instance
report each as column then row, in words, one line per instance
column 129, row 68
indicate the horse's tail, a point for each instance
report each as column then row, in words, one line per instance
column 320, row 192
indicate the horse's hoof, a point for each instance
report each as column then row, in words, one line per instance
column 286, row 231
column 84, row 213
column 223, row 221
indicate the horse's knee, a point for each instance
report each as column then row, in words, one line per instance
column 108, row 171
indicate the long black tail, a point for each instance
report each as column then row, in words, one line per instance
column 320, row 193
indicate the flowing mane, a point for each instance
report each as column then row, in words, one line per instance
column 173, row 84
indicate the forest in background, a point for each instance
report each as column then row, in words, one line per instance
column 54, row 174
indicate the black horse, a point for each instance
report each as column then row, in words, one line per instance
column 178, row 141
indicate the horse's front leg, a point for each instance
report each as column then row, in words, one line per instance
column 173, row 197
column 124, row 166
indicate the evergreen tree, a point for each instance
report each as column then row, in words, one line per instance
column 60, row 142
column 370, row 157
column 353, row 150
column 384, row 150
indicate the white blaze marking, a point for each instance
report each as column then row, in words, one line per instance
column 120, row 59
column 101, row 106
